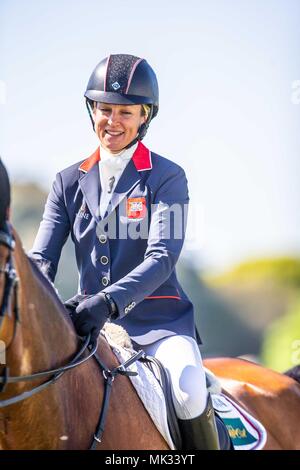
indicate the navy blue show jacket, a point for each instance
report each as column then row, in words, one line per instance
column 132, row 251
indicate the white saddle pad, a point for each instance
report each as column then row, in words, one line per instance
column 245, row 431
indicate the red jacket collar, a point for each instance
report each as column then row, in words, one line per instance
column 141, row 159
column 90, row 162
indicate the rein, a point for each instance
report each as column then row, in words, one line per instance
column 57, row 373
column 11, row 285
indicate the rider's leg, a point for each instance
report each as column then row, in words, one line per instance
column 181, row 357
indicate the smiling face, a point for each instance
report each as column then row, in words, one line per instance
column 117, row 125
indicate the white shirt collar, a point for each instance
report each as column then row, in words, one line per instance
column 111, row 165
column 116, row 160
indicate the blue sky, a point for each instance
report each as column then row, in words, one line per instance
column 226, row 69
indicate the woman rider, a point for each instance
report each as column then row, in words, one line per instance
column 125, row 207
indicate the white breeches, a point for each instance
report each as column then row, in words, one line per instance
column 181, row 357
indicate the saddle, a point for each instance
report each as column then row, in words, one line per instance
column 235, row 426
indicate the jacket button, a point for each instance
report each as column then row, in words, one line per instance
column 104, row 260
column 102, row 238
column 105, row 281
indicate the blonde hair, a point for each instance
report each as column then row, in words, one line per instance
column 145, row 110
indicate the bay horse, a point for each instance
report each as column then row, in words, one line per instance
column 272, row 398
column 37, row 335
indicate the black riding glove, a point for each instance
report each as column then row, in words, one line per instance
column 73, row 303
column 90, row 312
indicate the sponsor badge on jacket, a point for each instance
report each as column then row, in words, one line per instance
column 136, row 207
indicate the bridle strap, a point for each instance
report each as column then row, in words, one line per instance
column 11, row 283
column 11, row 280
column 56, row 373
column 4, row 378
column 7, row 240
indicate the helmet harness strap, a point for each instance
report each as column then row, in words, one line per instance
column 87, row 103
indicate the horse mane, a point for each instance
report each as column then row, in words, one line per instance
column 294, row 373
column 40, row 272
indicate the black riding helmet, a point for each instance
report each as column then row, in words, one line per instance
column 124, row 79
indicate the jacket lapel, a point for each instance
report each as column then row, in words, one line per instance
column 140, row 161
column 90, row 186
column 89, row 183
column 129, row 178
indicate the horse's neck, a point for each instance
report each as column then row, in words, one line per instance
column 44, row 336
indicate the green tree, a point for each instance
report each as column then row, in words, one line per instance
column 281, row 345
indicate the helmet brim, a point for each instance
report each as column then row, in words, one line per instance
column 116, row 98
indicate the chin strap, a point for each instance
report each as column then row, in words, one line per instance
column 88, row 105
column 142, row 129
